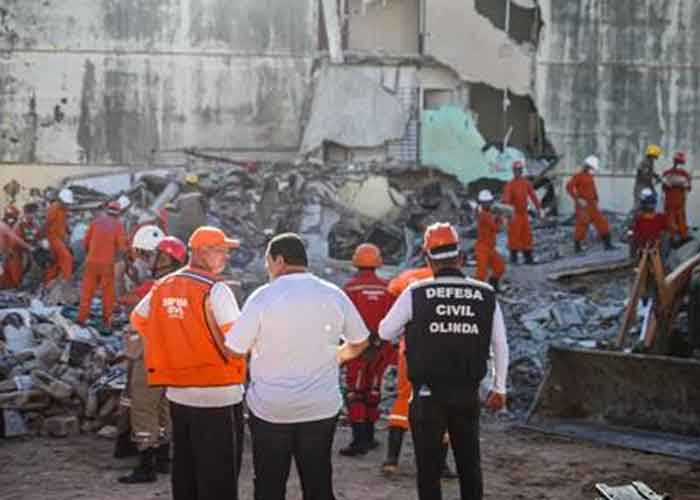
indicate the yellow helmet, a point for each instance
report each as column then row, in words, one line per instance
column 653, row 150
column 192, row 179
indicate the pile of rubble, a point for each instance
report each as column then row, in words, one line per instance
column 56, row 377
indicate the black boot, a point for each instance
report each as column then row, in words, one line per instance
column 370, row 442
column 577, row 247
column 513, row 257
column 607, row 243
column 358, row 444
column 393, row 450
column 124, row 447
column 447, row 472
column 528, row 257
column 163, row 459
column 145, row 472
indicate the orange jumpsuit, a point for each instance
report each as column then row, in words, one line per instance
column 104, row 239
column 485, row 248
column 516, row 194
column 674, row 204
column 57, row 234
column 399, row 411
column 582, row 187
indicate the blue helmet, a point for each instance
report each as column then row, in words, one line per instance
column 648, row 198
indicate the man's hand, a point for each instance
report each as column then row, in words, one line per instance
column 496, row 401
column 348, row 351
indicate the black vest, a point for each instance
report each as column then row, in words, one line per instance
column 448, row 340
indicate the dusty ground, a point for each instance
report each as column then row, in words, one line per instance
column 517, row 464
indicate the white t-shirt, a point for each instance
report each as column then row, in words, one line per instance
column 293, row 328
column 226, row 312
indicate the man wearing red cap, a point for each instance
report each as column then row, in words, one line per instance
column 451, row 323
column 105, row 242
column 517, row 193
column 677, row 184
column 185, row 321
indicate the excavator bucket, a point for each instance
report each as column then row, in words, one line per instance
column 645, row 402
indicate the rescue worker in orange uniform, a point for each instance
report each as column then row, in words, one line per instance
column 581, row 187
column 28, row 230
column 677, row 184
column 104, row 242
column 149, row 415
column 517, row 193
column 56, row 231
column 487, row 257
column 184, row 321
column 369, row 293
column 11, row 246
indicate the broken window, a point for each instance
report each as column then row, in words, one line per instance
column 523, row 23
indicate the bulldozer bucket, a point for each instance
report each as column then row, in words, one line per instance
column 645, row 402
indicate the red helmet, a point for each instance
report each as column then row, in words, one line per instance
column 113, row 207
column 518, row 164
column 11, row 213
column 679, row 157
column 437, row 237
column 367, row 256
column 175, row 248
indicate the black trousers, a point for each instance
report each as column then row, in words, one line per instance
column 207, row 451
column 309, row 443
column 430, row 417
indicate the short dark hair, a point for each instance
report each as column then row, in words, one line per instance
column 291, row 247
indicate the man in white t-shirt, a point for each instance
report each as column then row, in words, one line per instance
column 185, row 320
column 293, row 327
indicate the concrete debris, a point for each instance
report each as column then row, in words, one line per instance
column 567, row 314
column 61, row 426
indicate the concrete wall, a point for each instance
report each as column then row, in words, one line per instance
column 615, row 75
column 390, row 28
column 112, row 81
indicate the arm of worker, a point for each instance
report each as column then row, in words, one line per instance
column 507, row 197
column 14, row 236
column 242, row 336
column 400, row 314
column 355, row 333
column 139, row 316
column 88, row 237
column 222, row 312
column 499, row 346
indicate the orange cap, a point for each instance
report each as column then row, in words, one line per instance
column 208, row 236
column 367, row 255
column 439, row 235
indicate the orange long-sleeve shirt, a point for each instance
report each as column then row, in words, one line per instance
column 57, row 221
column 104, row 239
column 401, row 282
column 675, row 195
column 487, row 226
column 582, row 185
column 517, row 192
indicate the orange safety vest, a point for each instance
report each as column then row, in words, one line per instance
column 180, row 348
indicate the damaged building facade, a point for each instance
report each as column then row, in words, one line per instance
column 463, row 87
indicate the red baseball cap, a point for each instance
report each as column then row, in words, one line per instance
column 208, row 236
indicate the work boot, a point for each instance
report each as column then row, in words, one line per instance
column 513, row 257
column 370, row 442
column 124, row 447
column 446, row 472
column 145, row 472
column 577, row 247
column 163, row 459
column 607, row 243
column 528, row 257
column 358, row 444
column 393, row 450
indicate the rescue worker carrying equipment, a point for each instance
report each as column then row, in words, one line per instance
column 451, row 323
column 149, row 412
column 56, row 231
column 677, row 183
column 369, row 293
column 516, row 193
column 487, row 257
column 104, row 243
column 649, row 227
column 646, row 176
column 581, row 187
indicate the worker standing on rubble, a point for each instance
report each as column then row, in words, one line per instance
column 646, row 176
column 364, row 374
column 294, row 325
column 105, row 242
column 11, row 246
column 27, row 230
column 56, row 231
column 677, row 183
column 650, row 228
column 450, row 323
column 487, row 257
column 516, row 193
column 581, row 187
column 149, row 413
column 184, row 321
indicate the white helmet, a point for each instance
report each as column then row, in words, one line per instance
column 592, row 162
column 66, row 196
column 147, row 238
column 485, row 196
column 124, row 202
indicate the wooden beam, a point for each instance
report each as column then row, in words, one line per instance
column 635, row 292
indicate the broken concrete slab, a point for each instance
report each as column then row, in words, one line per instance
column 567, row 314
column 61, row 426
column 12, row 424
